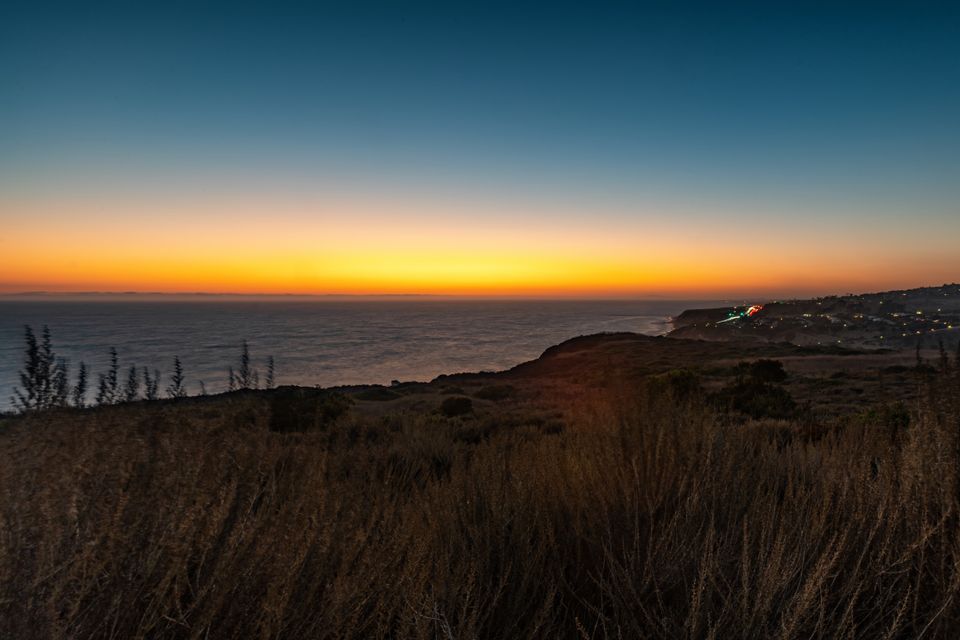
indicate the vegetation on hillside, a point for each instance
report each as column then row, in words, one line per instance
column 45, row 378
column 660, row 513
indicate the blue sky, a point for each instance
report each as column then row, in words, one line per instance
column 744, row 111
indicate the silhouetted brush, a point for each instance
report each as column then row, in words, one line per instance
column 176, row 388
column 151, row 383
column 108, row 391
column 36, row 377
column 28, row 398
column 246, row 375
column 271, row 373
column 48, row 367
column 80, row 389
column 60, row 386
column 132, row 391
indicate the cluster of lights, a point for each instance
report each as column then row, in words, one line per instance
column 749, row 312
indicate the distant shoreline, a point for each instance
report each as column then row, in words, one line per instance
column 94, row 296
column 721, row 301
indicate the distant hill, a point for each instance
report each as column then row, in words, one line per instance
column 924, row 316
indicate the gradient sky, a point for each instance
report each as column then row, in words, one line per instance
column 547, row 149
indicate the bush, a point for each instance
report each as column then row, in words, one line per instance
column 896, row 368
column 762, row 370
column 757, row 400
column 456, row 406
column 40, row 370
column 768, row 371
column 679, row 383
column 893, row 418
column 299, row 409
column 496, row 392
column 378, row 394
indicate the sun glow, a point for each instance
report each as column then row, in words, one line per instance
column 340, row 245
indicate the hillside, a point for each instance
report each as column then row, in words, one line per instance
column 618, row 486
column 891, row 319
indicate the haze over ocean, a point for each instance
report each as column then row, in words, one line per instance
column 324, row 342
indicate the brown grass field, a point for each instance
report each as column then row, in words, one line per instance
column 627, row 507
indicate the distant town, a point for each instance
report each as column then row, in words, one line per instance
column 924, row 317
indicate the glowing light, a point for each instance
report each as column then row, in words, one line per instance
column 747, row 313
column 389, row 243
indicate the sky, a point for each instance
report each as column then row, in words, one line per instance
column 544, row 149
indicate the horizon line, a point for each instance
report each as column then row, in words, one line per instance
column 225, row 294
column 515, row 296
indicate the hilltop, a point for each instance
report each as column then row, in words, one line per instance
column 890, row 319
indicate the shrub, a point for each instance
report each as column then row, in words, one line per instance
column 762, row 370
column 896, row 368
column 298, row 409
column 132, row 391
column 80, row 389
column 271, row 373
column 176, row 388
column 757, row 400
column 679, row 383
column 456, row 406
column 108, row 388
column 38, row 373
column 151, row 384
column 496, row 392
column 60, row 384
column 768, row 371
column 378, row 394
column 246, row 377
column 893, row 418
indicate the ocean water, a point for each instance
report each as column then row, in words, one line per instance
column 315, row 342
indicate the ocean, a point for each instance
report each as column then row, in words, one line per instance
column 314, row 342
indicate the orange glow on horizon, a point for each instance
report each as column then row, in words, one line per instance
column 343, row 246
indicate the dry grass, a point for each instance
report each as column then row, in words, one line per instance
column 649, row 518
